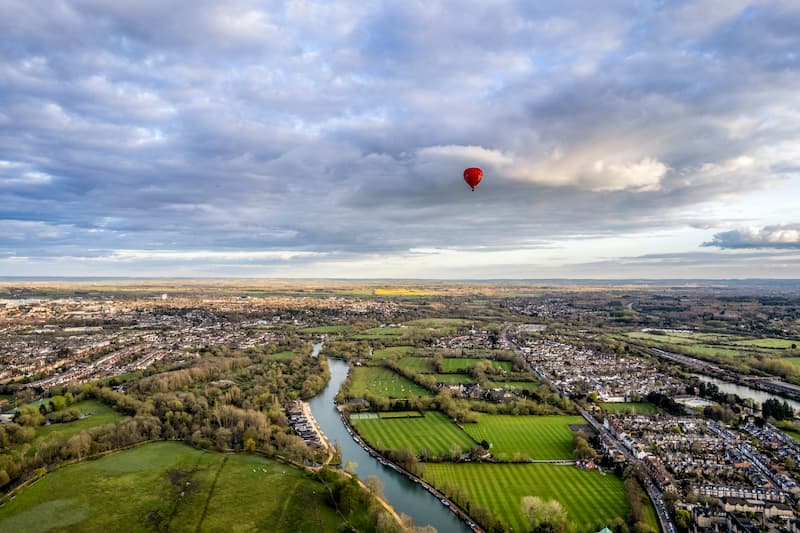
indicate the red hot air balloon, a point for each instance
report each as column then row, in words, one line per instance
column 473, row 177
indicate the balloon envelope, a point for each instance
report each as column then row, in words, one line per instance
column 473, row 177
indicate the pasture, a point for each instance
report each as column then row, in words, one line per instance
column 96, row 414
column 781, row 344
column 171, row 486
column 382, row 382
column 380, row 333
column 536, row 437
column 591, row 499
column 393, row 351
column 465, row 364
column 434, row 431
column 417, row 365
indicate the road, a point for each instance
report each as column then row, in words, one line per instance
column 655, row 495
column 652, row 491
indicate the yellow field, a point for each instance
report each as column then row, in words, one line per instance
column 401, row 291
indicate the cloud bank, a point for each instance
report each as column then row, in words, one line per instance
column 307, row 129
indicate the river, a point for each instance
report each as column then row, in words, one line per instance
column 744, row 391
column 403, row 494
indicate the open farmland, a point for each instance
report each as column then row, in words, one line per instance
column 383, row 382
column 171, row 486
column 434, row 431
column 537, row 437
column 591, row 499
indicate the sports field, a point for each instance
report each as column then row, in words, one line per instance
column 383, row 382
column 538, row 437
column 434, row 431
column 171, row 486
column 591, row 499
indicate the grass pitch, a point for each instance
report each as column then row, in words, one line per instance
column 591, row 499
column 434, row 431
column 383, row 382
column 171, row 486
column 537, row 437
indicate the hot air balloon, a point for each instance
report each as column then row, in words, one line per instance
column 473, row 177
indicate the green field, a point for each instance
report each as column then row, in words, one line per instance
column 96, row 413
column 171, row 486
column 385, row 353
column 380, row 333
column 464, row 364
column 640, row 408
column 453, row 379
column 537, row 437
column 781, row 344
column 417, row 365
column 793, row 360
column 325, row 329
column 440, row 323
column 591, row 499
column 383, row 382
column 434, row 431
column 401, row 414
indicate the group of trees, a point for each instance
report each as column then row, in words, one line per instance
column 774, row 408
column 226, row 399
column 582, row 449
column 637, row 499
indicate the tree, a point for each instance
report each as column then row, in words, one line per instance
column 683, row 519
column 374, row 484
column 351, row 467
column 545, row 516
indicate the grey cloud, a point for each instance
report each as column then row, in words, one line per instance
column 270, row 125
column 778, row 236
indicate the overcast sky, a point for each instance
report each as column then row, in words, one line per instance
column 328, row 138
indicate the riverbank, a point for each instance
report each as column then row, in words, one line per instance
column 458, row 511
column 404, row 494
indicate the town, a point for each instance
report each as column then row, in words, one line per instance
column 645, row 405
